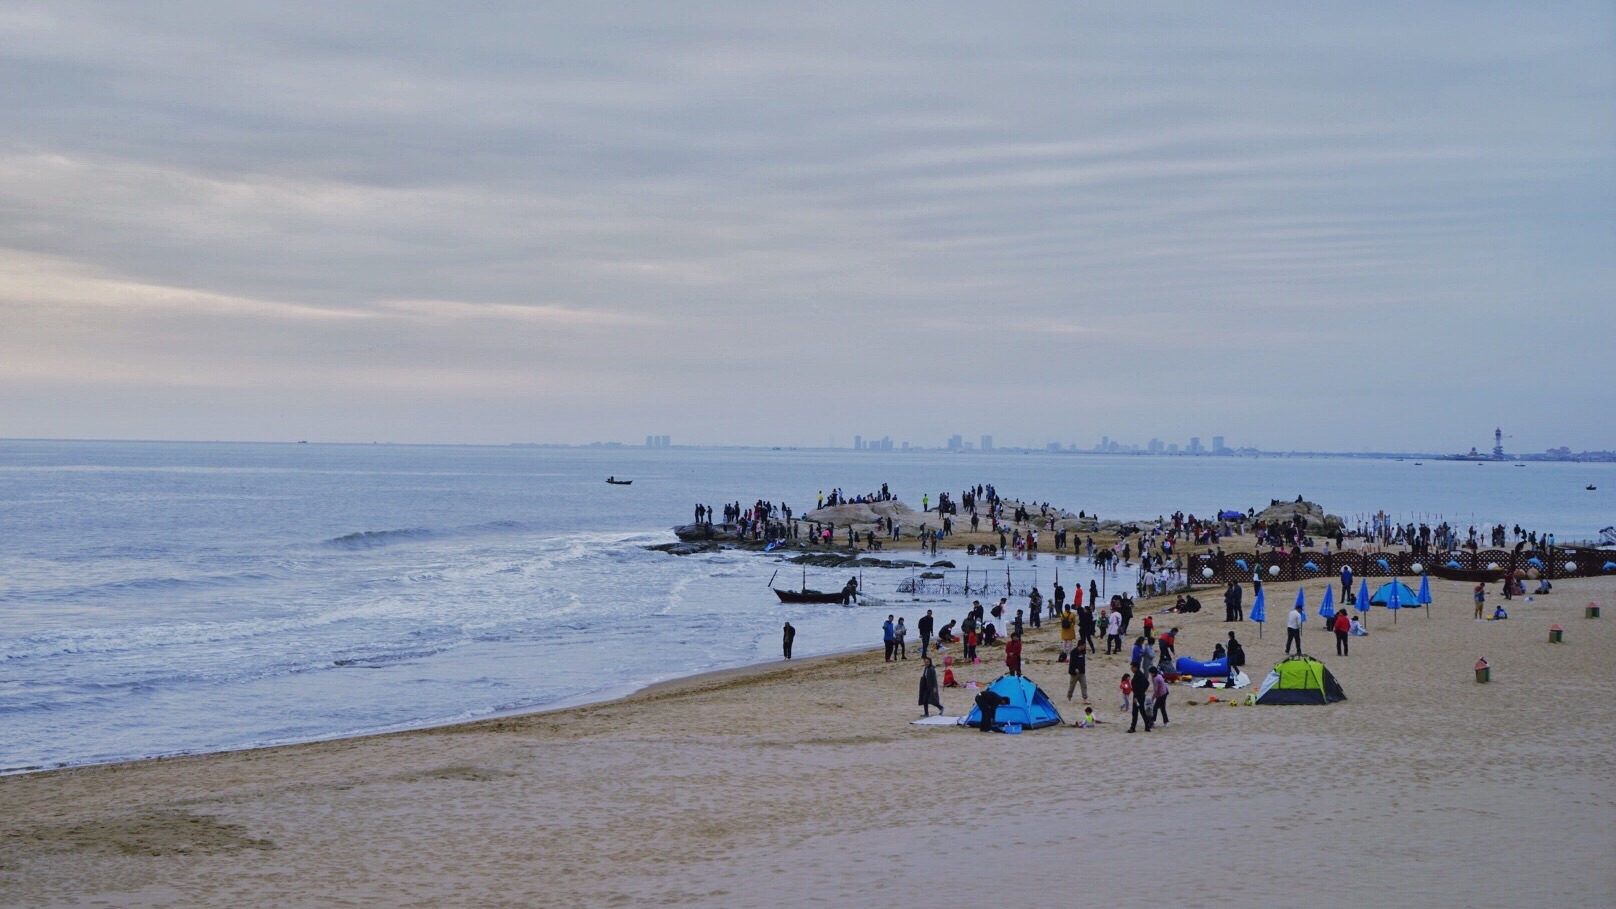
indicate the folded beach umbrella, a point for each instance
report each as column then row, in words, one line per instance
column 1363, row 595
column 1395, row 601
column 1327, row 608
column 1425, row 590
column 1258, row 612
column 1301, row 601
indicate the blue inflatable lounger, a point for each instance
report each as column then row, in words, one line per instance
column 1211, row 669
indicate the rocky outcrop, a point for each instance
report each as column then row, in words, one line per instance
column 685, row 547
column 1311, row 513
column 704, row 533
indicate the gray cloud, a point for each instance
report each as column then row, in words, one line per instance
column 510, row 221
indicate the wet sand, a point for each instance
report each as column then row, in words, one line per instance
column 804, row 784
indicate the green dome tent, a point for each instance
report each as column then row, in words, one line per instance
column 1300, row 680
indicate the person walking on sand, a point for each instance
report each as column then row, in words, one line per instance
column 1113, row 633
column 930, row 694
column 1342, row 625
column 899, row 633
column 1231, row 603
column 1159, row 690
column 1236, row 655
column 1085, row 624
column 785, row 641
column 924, row 626
column 1012, row 654
column 1140, row 684
column 1077, row 673
column 1293, row 630
column 887, row 638
column 1480, row 594
column 1068, row 633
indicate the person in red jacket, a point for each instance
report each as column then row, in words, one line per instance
column 1342, row 626
column 1012, row 654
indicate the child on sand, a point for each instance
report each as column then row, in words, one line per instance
column 1087, row 720
column 1127, row 692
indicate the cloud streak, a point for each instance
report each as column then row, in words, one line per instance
column 640, row 213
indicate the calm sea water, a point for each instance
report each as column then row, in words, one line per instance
column 159, row 598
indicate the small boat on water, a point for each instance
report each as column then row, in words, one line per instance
column 844, row 596
column 811, row 596
column 616, row 482
column 1590, row 487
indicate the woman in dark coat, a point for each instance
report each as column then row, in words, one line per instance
column 930, row 695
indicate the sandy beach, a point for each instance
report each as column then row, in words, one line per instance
column 804, row 784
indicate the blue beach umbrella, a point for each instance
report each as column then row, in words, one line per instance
column 1383, row 565
column 1258, row 613
column 1452, row 563
column 1535, row 562
column 1310, row 566
column 1395, row 601
column 1363, row 595
column 1327, row 608
column 1609, row 566
column 1301, row 601
column 1425, row 590
column 1242, row 564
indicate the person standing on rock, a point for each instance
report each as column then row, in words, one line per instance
column 786, row 639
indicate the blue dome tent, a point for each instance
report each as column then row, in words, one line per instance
column 1029, row 707
column 1406, row 596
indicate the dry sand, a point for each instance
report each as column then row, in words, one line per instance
column 805, row 784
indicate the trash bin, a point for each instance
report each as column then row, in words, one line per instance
column 1484, row 673
column 1592, row 611
column 1556, row 634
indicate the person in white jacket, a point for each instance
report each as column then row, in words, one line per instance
column 1293, row 629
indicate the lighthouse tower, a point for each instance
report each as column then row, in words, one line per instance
column 1498, row 444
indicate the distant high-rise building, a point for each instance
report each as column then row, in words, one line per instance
column 1053, row 446
column 1156, row 446
column 956, row 442
column 858, row 443
column 1172, row 448
column 667, row 441
column 650, row 441
column 1195, row 445
column 987, row 443
column 1105, row 444
column 1217, row 445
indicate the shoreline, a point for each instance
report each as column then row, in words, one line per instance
column 799, row 783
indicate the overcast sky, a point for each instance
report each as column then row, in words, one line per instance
column 1332, row 226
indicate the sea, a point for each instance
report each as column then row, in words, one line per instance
column 162, row 598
